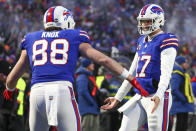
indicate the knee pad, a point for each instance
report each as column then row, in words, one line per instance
column 152, row 121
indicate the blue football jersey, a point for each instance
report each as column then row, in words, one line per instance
column 149, row 59
column 53, row 55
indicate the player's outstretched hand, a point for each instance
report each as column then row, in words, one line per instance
column 111, row 102
column 8, row 94
column 156, row 100
column 137, row 85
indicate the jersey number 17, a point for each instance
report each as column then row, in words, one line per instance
column 147, row 59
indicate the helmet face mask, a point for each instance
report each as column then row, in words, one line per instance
column 58, row 16
column 144, row 28
column 67, row 21
column 150, row 12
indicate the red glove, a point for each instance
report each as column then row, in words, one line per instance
column 8, row 94
column 137, row 85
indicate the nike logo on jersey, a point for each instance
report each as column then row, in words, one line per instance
column 50, row 34
column 171, row 35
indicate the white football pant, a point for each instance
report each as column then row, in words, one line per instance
column 53, row 104
column 139, row 111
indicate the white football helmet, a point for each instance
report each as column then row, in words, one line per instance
column 67, row 21
column 151, row 12
column 58, row 16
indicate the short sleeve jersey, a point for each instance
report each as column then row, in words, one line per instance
column 149, row 59
column 53, row 55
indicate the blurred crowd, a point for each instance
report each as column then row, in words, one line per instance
column 111, row 24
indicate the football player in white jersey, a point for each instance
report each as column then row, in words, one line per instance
column 153, row 62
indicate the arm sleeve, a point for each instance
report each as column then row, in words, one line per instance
column 126, row 86
column 167, row 62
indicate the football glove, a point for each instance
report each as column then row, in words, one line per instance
column 8, row 94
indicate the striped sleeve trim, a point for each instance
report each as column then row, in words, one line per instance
column 81, row 34
column 169, row 43
column 81, row 31
column 170, row 39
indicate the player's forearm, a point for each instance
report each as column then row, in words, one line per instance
column 116, row 68
column 111, row 65
column 11, row 83
column 167, row 62
column 134, row 64
column 13, row 77
column 17, row 71
column 126, row 86
column 102, row 59
column 123, row 90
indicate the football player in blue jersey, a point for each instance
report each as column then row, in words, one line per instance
column 53, row 55
column 153, row 63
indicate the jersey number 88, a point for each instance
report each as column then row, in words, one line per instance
column 54, row 51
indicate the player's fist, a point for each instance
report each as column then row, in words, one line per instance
column 137, row 85
column 8, row 94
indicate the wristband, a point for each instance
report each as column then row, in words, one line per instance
column 10, row 89
column 125, row 74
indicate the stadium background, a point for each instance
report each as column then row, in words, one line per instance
column 108, row 22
